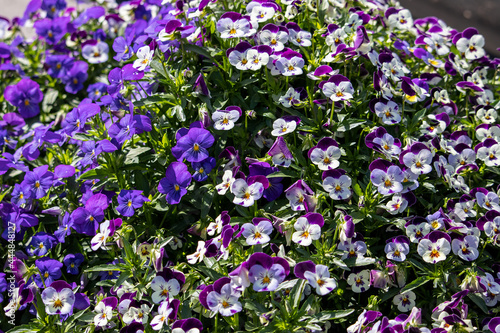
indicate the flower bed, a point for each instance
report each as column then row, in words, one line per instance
column 266, row 166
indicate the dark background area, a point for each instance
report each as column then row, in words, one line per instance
column 484, row 15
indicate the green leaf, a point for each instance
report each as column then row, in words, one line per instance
column 87, row 318
column 83, row 137
column 331, row 315
column 104, row 268
column 158, row 67
column 155, row 99
column 206, row 201
column 355, row 262
column 96, row 173
column 199, row 50
column 297, row 292
column 390, row 294
column 49, row 100
column 132, row 156
column 212, row 274
column 416, row 283
column 479, row 301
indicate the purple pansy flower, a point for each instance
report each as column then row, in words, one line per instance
column 50, row 270
column 72, row 262
column 40, row 244
column 223, row 298
column 25, row 95
column 39, row 181
column 86, row 219
column 203, row 168
column 129, row 200
column 194, row 145
column 52, row 30
column 175, row 183
column 281, row 155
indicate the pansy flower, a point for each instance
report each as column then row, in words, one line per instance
column 227, row 182
column 307, row 228
column 257, row 232
column 274, row 36
column 106, row 229
column 300, row 196
column 95, row 53
column 144, row 58
column 318, row 276
column 26, row 96
column 104, row 311
column 232, row 25
column 280, row 154
column 176, row 181
column 325, row 154
column 72, row 262
column 470, row 43
column 193, row 146
column 418, row 158
column 466, row 247
column 189, row 325
column 58, row 298
column 397, row 248
column 265, row 272
column 434, row 247
column 290, row 98
column 221, row 297
column 164, row 290
column 288, row 63
column 129, row 201
column 337, row 88
column 50, row 270
column 488, row 151
column 203, row 168
column 405, row 301
column 388, row 180
column 86, row 219
column 359, row 282
column 164, row 312
column 399, row 18
column 40, row 244
column 285, row 125
column 298, row 36
column 225, row 119
column 261, row 11
column 198, row 255
column 245, row 193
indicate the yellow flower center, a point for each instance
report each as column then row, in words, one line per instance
column 266, row 279
column 58, row 303
column 232, row 31
column 26, row 102
column 196, row 147
column 434, row 254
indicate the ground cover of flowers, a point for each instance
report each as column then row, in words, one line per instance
column 261, row 166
